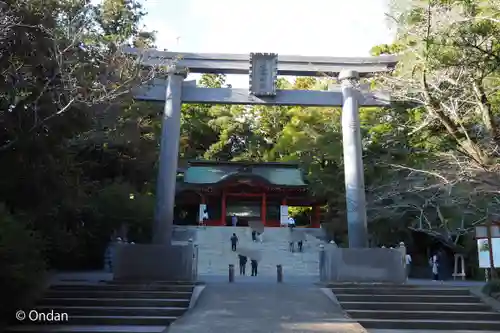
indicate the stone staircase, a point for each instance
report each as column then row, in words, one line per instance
column 416, row 307
column 112, row 307
column 214, row 251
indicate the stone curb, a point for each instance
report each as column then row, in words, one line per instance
column 195, row 295
column 493, row 303
column 328, row 293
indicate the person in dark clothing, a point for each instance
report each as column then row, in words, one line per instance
column 234, row 241
column 291, row 246
column 243, row 264
column 254, row 264
column 254, row 235
column 299, row 244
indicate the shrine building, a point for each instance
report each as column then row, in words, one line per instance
column 251, row 191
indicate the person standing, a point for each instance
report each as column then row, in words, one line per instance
column 234, row 241
column 434, row 263
column 110, row 254
column 408, row 265
column 243, row 264
column 254, row 264
column 299, row 244
column 204, row 218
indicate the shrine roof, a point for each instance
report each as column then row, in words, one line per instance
column 212, row 172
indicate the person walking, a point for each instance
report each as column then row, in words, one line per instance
column 254, row 264
column 291, row 222
column 234, row 241
column 254, row 236
column 291, row 246
column 243, row 264
column 299, row 244
column 234, row 220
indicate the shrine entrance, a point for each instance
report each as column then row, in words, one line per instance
column 263, row 70
column 250, row 191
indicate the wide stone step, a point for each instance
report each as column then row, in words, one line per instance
column 405, row 306
column 371, row 285
column 118, row 320
column 86, row 329
column 407, row 298
column 181, row 295
column 115, row 310
column 215, row 254
column 123, row 287
column 151, row 302
column 161, row 283
column 416, row 324
column 428, row 315
column 400, row 291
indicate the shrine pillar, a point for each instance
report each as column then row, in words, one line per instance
column 353, row 161
column 263, row 209
column 316, row 212
column 169, row 154
column 223, row 209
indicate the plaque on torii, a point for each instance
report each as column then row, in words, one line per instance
column 263, row 74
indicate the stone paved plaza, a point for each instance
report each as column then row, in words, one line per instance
column 264, row 308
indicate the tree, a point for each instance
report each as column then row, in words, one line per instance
column 59, row 64
column 447, row 78
column 64, row 76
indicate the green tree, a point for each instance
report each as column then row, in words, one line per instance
column 446, row 80
column 64, row 79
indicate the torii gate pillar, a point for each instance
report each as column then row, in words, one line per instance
column 353, row 161
column 169, row 153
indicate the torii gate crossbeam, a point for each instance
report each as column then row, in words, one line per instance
column 210, row 63
column 190, row 93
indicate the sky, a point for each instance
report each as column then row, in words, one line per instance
column 292, row 27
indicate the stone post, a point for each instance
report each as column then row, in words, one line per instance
column 169, row 153
column 353, row 161
column 322, row 264
column 231, row 273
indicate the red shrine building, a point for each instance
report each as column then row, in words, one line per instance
column 251, row 191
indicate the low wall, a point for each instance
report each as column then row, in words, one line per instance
column 362, row 265
column 184, row 233
column 155, row 262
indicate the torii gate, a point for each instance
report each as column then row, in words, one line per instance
column 263, row 70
